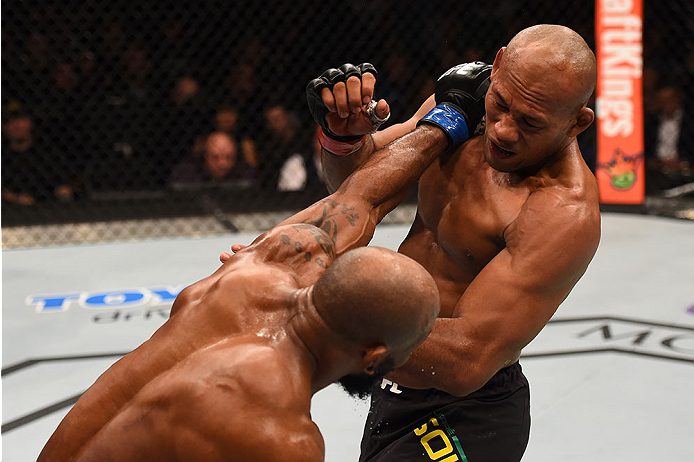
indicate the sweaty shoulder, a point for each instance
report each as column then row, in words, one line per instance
column 250, row 405
column 568, row 195
column 559, row 224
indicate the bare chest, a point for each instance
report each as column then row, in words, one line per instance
column 464, row 208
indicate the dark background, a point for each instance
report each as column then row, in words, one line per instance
column 118, row 94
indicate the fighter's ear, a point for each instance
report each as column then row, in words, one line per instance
column 372, row 358
column 497, row 60
column 582, row 121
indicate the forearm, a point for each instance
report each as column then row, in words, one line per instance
column 384, row 179
column 350, row 214
column 337, row 168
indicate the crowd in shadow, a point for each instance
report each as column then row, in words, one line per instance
column 101, row 100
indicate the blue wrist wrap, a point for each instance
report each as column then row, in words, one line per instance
column 451, row 121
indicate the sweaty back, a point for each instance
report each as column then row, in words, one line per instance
column 372, row 295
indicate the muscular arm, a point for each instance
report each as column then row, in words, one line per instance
column 548, row 249
column 351, row 213
column 337, row 168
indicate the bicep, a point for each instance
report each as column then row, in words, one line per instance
column 502, row 312
column 515, row 295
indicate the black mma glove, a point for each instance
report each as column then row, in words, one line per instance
column 460, row 93
column 328, row 79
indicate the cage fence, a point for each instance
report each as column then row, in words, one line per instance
column 137, row 120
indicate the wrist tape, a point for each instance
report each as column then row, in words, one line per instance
column 450, row 121
column 339, row 148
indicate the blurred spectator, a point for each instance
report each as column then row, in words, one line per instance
column 302, row 172
column 280, row 139
column 34, row 69
column 669, row 137
column 183, row 117
column 241, row 86
column 136, row 73
column 227, row 120
column 62, row 125
column 29, row 172
column 217, row 167
column 127, row 119
column 688, row 73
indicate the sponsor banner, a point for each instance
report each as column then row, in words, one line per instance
column 619, row 101
column 120, row 298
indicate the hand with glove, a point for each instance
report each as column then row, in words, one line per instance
column 460, row 94
column 342, row 102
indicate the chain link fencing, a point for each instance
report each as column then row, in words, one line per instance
column 131, row 120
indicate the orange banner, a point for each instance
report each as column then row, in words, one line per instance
column 619, row 101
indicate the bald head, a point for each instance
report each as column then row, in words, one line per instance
column 555, row 52
column 219, row 142
column 372, row 295
column 220, row 154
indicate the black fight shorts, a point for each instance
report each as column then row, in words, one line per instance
column 490, row 425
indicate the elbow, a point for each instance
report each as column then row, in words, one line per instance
column 468, row 379
column 464, row 384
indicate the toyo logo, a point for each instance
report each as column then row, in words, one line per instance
column 621, row 169
column 104, row 299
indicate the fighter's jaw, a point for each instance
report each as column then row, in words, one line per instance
column 497, row 157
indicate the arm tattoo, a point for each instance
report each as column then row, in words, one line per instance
column 326, row 244
column 327, row 221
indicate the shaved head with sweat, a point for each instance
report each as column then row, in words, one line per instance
column 536, row 103
column 363, row 297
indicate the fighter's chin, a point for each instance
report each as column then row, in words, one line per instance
column 501, row 165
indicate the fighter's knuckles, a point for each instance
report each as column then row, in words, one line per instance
column 332, row 76
column 339, row 86
column 350, row 70
column 368, row 68
column 353, row 81
column 315, row 86
column 341, row 101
